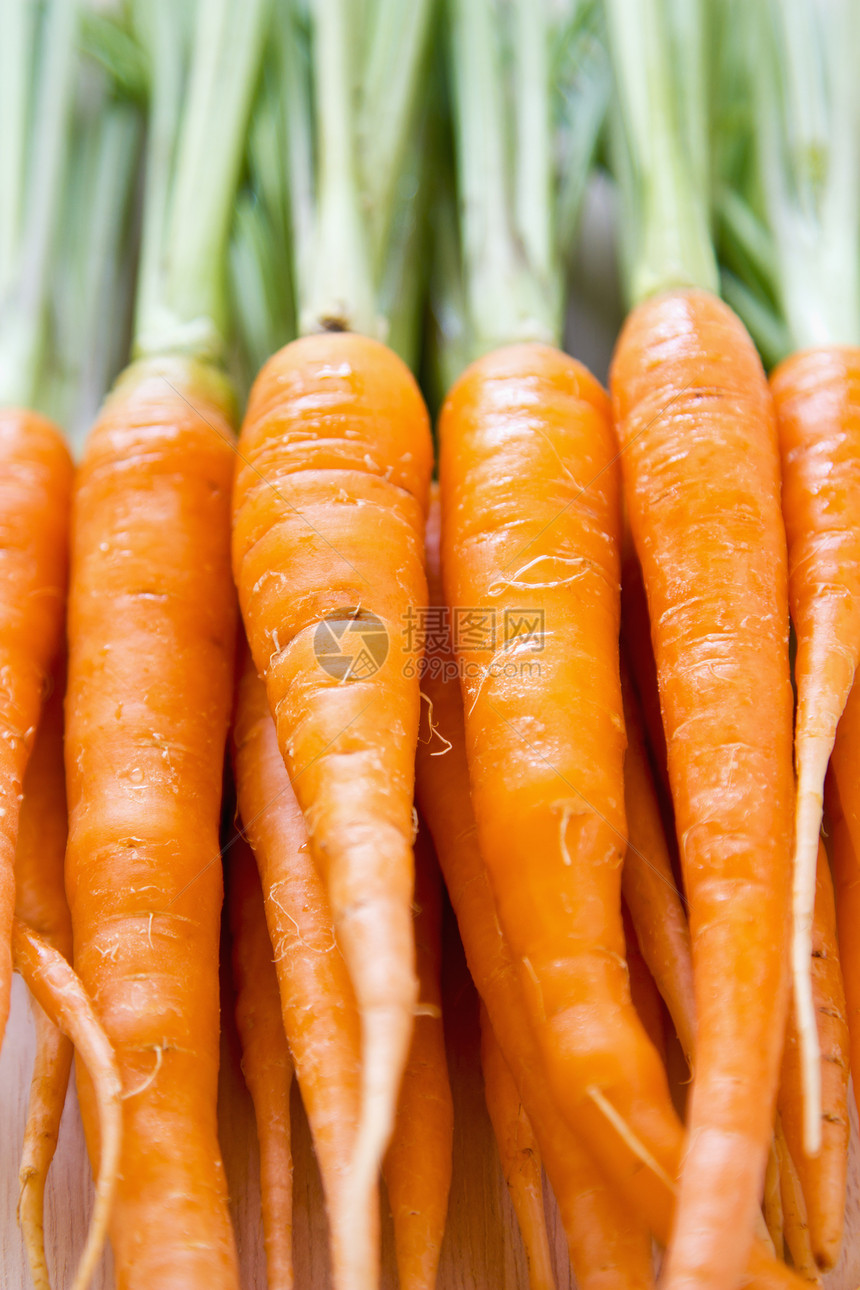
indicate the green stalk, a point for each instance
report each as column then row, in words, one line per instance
column 507, row 300
column 24, row 302
column 534, row 171
column 388, row 100
column 668, row 241
column 340, row 291
column 183, row 306
column 293, row 71
column 808, row 115
column 16, row 62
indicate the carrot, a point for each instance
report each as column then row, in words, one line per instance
column 148, row 702
column 822, row 1177
column 40, row 904
column 35, row 485
column 519, row 1156
column 58, row 992
column 772, row 1201
column 648, row 884
column 608, row 1246
column 817, row 399
column 796, row 1232
column 266, row 1062
column 643, row 989
column 639, row 654
column 417, row 1165
column 336, row 436
column 318, row 1008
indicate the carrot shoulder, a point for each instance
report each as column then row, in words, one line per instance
column 266, row 1062
column 35, row 489
column 701, row 481
column 151, row 642
column 330, row 501
column 40, row 904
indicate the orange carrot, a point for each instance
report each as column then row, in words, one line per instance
column 59, row 993
column 318, row 1006
column 151, row 642
column 266, row 1061
column 822, row 1177
column 608, row 1246
column 417, row 1165
column 796, row 1233
column 772, row 1201
column 519, row 1156
column 701, row 478
column 329, row 505
column 639, row 653
column 40, row 904
column 35, row 485
column 648, row 884
column 643, row 989
column 817, row 397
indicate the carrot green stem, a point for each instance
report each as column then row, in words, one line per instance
column 187, row 222
column 340, row 291
column 583, row 81
column 29, row 224
column 534, row 169
column 293, row 69
column 16, row 60
column 808, row 110
column 388, row 100
column 509, row 299
column 662, row 174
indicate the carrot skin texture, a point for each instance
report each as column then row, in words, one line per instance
column 530, row 413
column 822, row 1177
column 417, row 1165
column 796, row 1233
column 35, row 492
column 318, row 1007
column 817, row 399
column 610, row 1249
column 691, row 404
column 59, row 993
column 40, row 903
column 519, row 1156
column 266, row 1062
column 329, row 508
column 151, row 642
column 843, row 803
column 648, row 884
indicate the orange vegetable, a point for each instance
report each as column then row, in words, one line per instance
column 643, row 990
column 35, row 484
column 821, row 1177
column 151, row 643
column 329, row 507
column 648, row 884
column 796, row 1233
column 40, row 904
column 417, row 1165
column 266, row 1062
column 60, row 995
column 519, row 1156
column 609, row 1247
column 701, row 480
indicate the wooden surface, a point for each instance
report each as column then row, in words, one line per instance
column 482, row 1247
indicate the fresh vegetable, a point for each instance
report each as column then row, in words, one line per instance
column 608, row 1245
column 700, row 469
column 329, row 506
column 519, row 1156
column 58, row 992
column 41, row 905
column 266, row 1062
column 151, row 642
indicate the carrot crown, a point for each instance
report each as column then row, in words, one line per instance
column 661, row 144
column 203, row 62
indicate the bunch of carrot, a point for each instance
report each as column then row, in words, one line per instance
column 559, row 679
